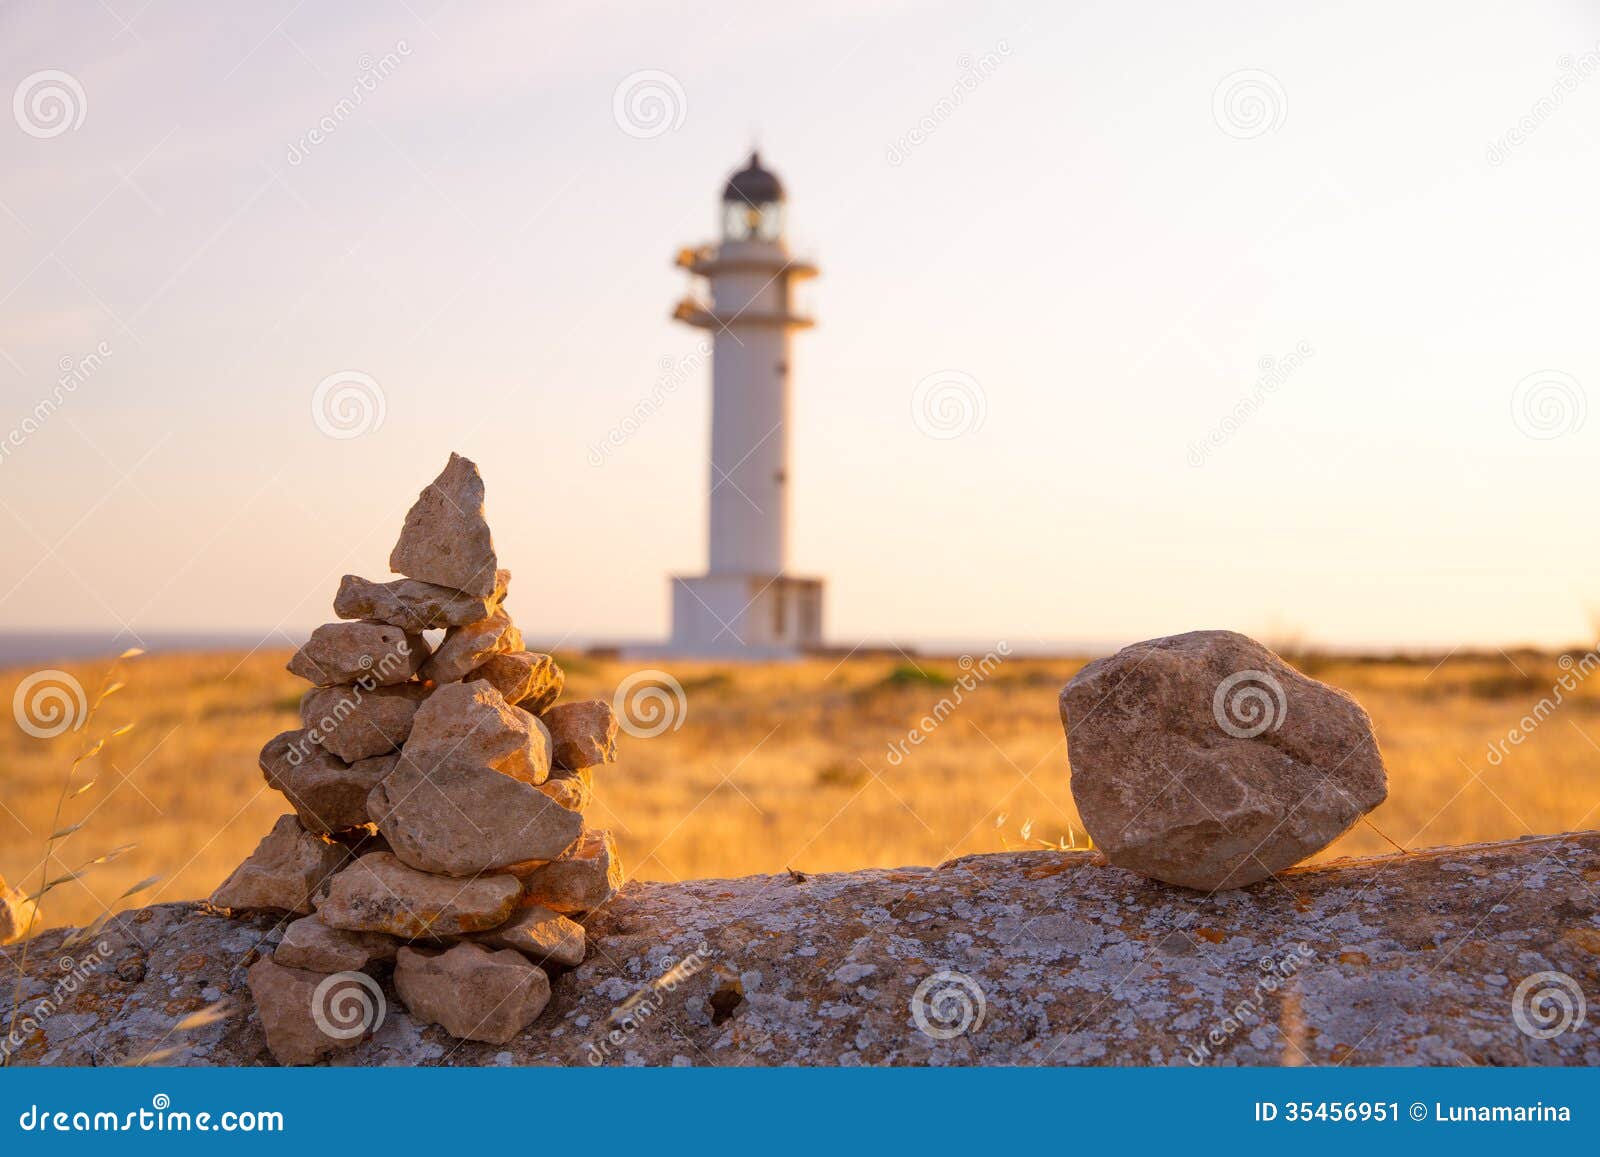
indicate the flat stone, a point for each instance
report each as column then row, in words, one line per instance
column 573, row 790
column 471, row 723
column 380, row 654
column 287, row 866
column 415, row 606
column 471, row 992
column 580, row 881
column 469, row 647
column 328, row 794
column 356, row 722
column 460, row 819
column 544, row 937
column 446, row 540
column 378, row 893
column 310, row 944
column 527, row 679
column 18, row 917
column 304, row 1018
column 1207, row 761
column 584, row 732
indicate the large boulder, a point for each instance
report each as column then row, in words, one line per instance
column 472, row 723
column 472, row 992
column 378, row 893
column 460, row 819
column 357, row 722
column 19, row 916
column 446, row 539
column 281, row 874
column 413, row 605
column 328, row 794
column 378, row 654
column 1205, row 760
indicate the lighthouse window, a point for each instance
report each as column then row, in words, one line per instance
column 777, row 613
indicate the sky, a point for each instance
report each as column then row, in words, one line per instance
column 1133, row 318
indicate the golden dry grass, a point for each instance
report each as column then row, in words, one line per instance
column 777, row 766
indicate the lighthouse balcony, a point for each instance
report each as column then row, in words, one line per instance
column 744, row 257
column 700, row 313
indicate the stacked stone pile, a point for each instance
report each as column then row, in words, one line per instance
column 439, row 797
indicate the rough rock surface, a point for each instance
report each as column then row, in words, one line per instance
column 462, row 819
column 584, row 732
column 379, row 653
column 543, row 936
column 528, row 679
column 468, row 647
column 280, row 875
column 310, row 944
column 1413, row 959
column 473, row 992
column 581, row 880
column 327, row 793
column 356, row 723
column 446, row 539
column 472, row 723
column 378, row 893
column 1205, row 760
column 413, row 605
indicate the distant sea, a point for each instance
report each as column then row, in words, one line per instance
column 22, row 647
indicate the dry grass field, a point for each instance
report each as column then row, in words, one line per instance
column 773, row 767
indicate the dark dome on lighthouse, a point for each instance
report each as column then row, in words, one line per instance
column 753, row 185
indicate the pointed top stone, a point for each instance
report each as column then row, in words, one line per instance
column 446, row 540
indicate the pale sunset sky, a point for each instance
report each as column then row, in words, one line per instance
column 1098, row 221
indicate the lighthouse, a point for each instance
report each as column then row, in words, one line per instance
column 747, row 605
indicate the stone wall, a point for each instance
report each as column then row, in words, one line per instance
column 1023, row 958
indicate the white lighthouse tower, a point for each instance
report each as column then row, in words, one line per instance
column 747, row 604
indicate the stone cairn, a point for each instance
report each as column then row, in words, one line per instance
column 439, row 800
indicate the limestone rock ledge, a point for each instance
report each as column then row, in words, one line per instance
column 1399, row 960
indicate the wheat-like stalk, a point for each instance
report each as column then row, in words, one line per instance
column 71, row 789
